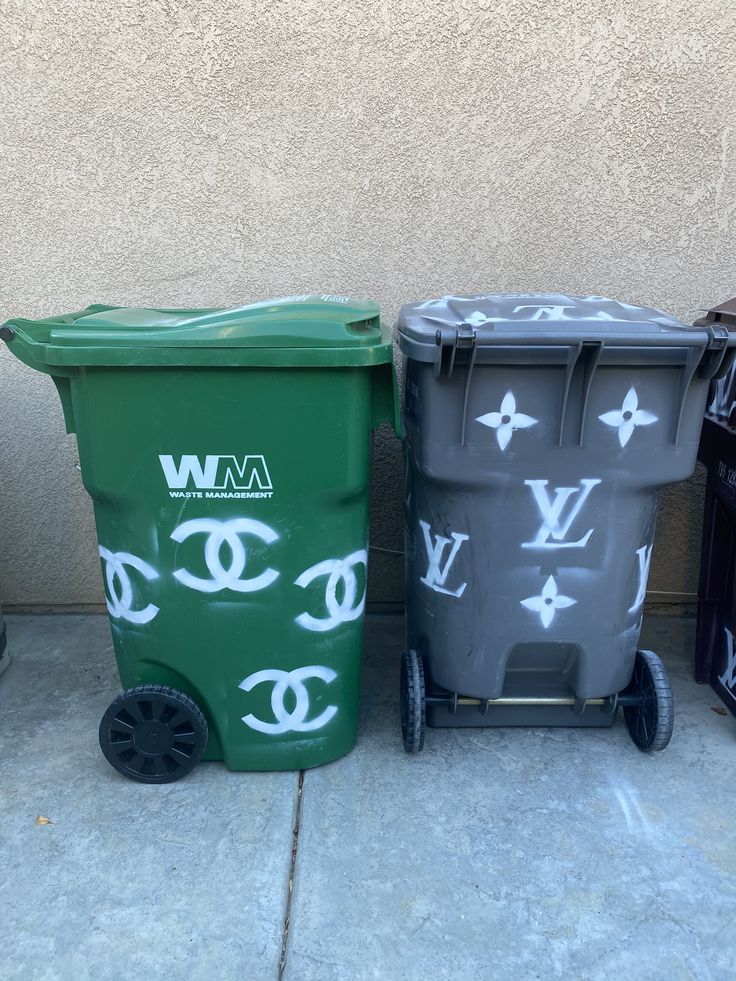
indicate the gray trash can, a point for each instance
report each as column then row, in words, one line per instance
column 4, row 652
column 539, row 431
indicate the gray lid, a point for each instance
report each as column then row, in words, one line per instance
column 531, row 313
column 534, row 328
column 527, row 328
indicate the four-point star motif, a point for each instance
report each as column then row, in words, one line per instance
column 507, row 420
column 548, row 603
column 628, row 417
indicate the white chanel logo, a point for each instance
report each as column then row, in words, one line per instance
column 339, row 570
column 120, row 601
column 283, row 681
column 219, row 533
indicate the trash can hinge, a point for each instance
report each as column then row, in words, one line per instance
column 715, row 351
column 446, row 360
column 465, row 335
column 449, row 342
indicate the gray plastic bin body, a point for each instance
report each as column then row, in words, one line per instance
column 539, row 431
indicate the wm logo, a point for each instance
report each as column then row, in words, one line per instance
column 217, row 472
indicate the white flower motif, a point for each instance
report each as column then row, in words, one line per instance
column 628, row 417
column 547, row 604
column 507, row 420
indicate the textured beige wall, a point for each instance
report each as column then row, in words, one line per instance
column 211, row 152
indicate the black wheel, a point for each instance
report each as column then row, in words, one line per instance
column 412, row 702
column 153, row 734
column 651, row 719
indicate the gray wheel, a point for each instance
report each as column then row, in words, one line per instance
column 412, row 702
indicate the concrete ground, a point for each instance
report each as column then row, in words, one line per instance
column 506, row 854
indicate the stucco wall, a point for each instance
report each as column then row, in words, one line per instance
column 212, row 152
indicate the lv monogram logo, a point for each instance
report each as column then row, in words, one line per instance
column 644, row 555
column 728, row 678
column 559, row 512
column 436, row 575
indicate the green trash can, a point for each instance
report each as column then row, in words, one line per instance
column 228, row 455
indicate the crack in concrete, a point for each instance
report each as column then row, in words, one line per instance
column 292, row 873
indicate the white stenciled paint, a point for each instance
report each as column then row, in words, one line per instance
column 559, row 512
column 628, row 799
column 336, row 570
column 728, row 678
column 436, row 575
column 506, row 420
column 644, row 555
column 442, row 301
column 628, row 417
column 283, row 681
column 548, row 602
column 582, row 308
column 119, row 601
column 477, row 319
column 219, row 533
column 216, row 472
column 556, row 311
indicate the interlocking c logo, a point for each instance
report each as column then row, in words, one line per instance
column 283, row 681
column 119, row 602
column 218, row 533
column 337, row 570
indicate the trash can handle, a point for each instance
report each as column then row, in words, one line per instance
column 462, row 336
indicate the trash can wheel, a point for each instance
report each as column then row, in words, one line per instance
column 153, row 734
column 412, row 702
column 648, row 704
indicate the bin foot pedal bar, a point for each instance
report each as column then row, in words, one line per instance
column 452, row 701
column 450, row 710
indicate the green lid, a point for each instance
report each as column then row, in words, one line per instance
column 319, row 331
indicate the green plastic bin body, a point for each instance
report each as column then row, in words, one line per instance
column 228, row 457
